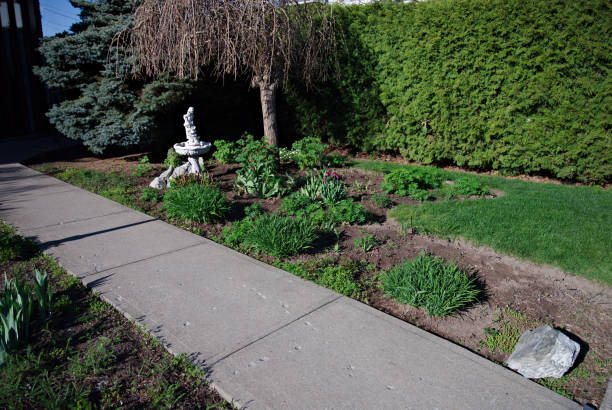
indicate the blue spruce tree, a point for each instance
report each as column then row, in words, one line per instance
column 102, row 105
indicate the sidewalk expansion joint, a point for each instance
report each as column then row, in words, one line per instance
column 90, row 273
column 210, row 365
column 72, row 221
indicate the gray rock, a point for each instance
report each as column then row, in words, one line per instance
column 543, row 352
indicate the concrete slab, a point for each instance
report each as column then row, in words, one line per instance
column 101, row 243
column 348, row 355
column 21, row 183
column 208, row 299
column 28, row 212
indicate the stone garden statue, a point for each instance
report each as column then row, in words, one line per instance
column 193, row 148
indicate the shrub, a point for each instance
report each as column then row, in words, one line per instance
column 225, row 151
column 281, row 235
column 196, row 203
column 413, row 182
column 309, row 152
column 536, row 99
column 441, row 289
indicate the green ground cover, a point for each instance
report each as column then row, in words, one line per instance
column 562, row 225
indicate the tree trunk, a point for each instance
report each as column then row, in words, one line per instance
column 267, row 94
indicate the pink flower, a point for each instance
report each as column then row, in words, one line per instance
column 325, row 179
column 326, row 173
column 253, row 168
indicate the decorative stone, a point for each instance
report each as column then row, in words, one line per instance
column 543, row 352
column 182, row 170
column 193, row 148
column 162, row 180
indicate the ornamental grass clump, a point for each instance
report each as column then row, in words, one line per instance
column 441, row 289
column 281, row 235
column 196, row 203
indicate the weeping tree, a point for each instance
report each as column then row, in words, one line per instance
column 261, row 39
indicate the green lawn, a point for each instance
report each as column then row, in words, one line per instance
column 566, row 226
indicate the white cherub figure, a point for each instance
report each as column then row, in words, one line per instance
column 190, row 129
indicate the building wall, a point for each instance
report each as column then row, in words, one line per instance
column 22, row 97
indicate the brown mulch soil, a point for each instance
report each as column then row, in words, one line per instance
column 582, row 308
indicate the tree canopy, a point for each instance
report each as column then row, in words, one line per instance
column 264, row 40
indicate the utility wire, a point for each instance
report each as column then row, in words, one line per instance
column 59, row 14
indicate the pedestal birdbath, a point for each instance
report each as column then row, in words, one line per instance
column 193, row 148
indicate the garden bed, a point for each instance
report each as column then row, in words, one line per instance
column 513, row 294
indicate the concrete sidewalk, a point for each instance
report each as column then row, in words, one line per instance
column 267, row 338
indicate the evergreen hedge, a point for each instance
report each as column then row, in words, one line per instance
column 512, row 85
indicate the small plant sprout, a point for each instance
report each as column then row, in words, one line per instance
column 366, row 243
column 143, row 168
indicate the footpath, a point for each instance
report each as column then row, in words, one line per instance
column 266, row 338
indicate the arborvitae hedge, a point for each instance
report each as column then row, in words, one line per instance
column 513, row 85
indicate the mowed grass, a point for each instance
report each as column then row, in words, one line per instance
column 566, row 226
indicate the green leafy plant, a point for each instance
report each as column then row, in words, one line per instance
column 309, row 152
column 225, row 151
column 366, row 242
column 151, row 195
column 259, row 179
column 428, row 282
column 412, row 181
column 259, row 165
column 381, row 200
column 510, row 325
column 144, row 167
column 196, row 203
column 44, row 295
column 173, row 159
column 191, row 179
column 295, row 203
column 13, row 246
column 332, row 189
column 312, row 187
column 348, row 211
column 281, row 235
column 339, row 278
column 253, row 210
column 469, row 186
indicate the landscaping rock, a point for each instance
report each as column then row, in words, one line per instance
column 543, row 352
